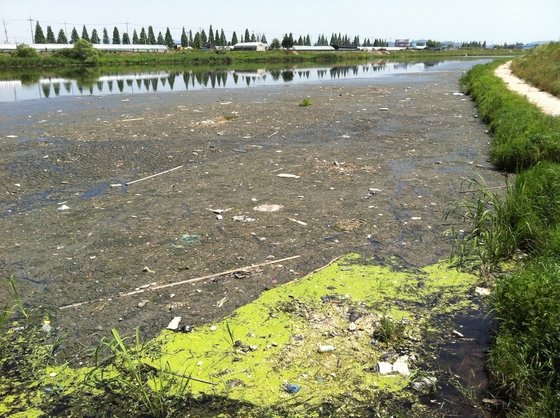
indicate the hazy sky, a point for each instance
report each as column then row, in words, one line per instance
column 495, row 21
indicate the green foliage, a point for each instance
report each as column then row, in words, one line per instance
column 526, row 217
column 95, row 37
column 151, row 39
column 390, row 332
column 61, row 38
column 128, row 379
column 523, row 135
column 25, row 51
column 74, row 37
column 540, row 67
column 105, row 37
column 27, row 347
column 39, row 37
column 306, row 102
column 85, row 35
column 525, row 360
column 125, row 39
column 82, row 51
column 116, row 36
column 50, row 36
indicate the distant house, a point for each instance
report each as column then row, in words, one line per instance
column 402, row 43
column 250, row 46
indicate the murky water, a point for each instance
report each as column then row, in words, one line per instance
column 28, row 87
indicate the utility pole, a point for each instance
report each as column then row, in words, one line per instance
column 5, row 30
column 31, row 28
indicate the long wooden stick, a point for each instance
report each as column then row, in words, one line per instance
column 163, row 286
column 153, row 175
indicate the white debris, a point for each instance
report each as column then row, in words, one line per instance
column 268, row 208
column 298, row 221
column 482, row 291
column 174, row 324
column 63, row 207
column 242, row 218
column 288, row 176
column 384, row 368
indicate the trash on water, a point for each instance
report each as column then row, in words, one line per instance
column 189, row 238
column 174, row 324
column 242, row 218
column 268, row 208
column 64, row 207
column 142, row 303
column 146, row 269
column 288, row 176
column 424, row 385
column 384, row 109
column 325, row 348
column 482, row 291
column 298, row 221
column 221, row 302
column 291, row 388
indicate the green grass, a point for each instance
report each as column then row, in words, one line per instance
column 523, row 135
column 305, row 102
column 541, row 67
column 524, row 361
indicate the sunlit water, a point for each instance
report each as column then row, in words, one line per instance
column 166, row 81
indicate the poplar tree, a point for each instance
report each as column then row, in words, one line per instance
column 211, row 35
column 169, row 39
column 197, row 42
column 143, row 38
column 151, row 36
column 253, row 37
column 216, row 37
column 223, row 40
column 125, row 39
column 85, row 35
column 263, row 39
column 234, row 39
column 307, row 40
column 61, row 38
column 116, row 36
column 135, row 39
column 39, row 37
column 105, row 36
column 184, row 39
column 247, row 37
column 74, row 37
column 160, row 40
column 94, row 37
column 50, row 36
column 203, row 37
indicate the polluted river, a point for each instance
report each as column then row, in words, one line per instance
column 297, row 214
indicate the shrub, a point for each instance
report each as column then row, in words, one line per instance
column 25, row 51
column 82, row 51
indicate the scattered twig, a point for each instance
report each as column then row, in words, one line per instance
column 163, row 286
column 130, row 120
column 153, row 175
column 272, row 134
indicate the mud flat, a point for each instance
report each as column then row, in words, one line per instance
column 369, row 168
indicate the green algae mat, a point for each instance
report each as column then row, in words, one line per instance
column 341, row 336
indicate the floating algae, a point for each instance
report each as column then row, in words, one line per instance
column 253, row 355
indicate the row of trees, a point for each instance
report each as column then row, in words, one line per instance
column 197, row 40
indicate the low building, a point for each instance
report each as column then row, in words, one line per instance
column 250, row 46
column 309, row 48
column 402, row 43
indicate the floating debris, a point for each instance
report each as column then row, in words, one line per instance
column 174, row 324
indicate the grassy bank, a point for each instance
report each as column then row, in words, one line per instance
column 194, row 58
column 523, row 135
column 541, row 67
column 524, row 361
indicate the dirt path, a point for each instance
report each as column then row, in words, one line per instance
column 548, row 103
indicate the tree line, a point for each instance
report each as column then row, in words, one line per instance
column 198, row 40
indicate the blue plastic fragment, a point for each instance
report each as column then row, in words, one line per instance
column 292, row 388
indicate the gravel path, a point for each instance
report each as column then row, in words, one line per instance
column 548, row 103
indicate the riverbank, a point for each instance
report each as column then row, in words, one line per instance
column 524, row 361
column 196, row 58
